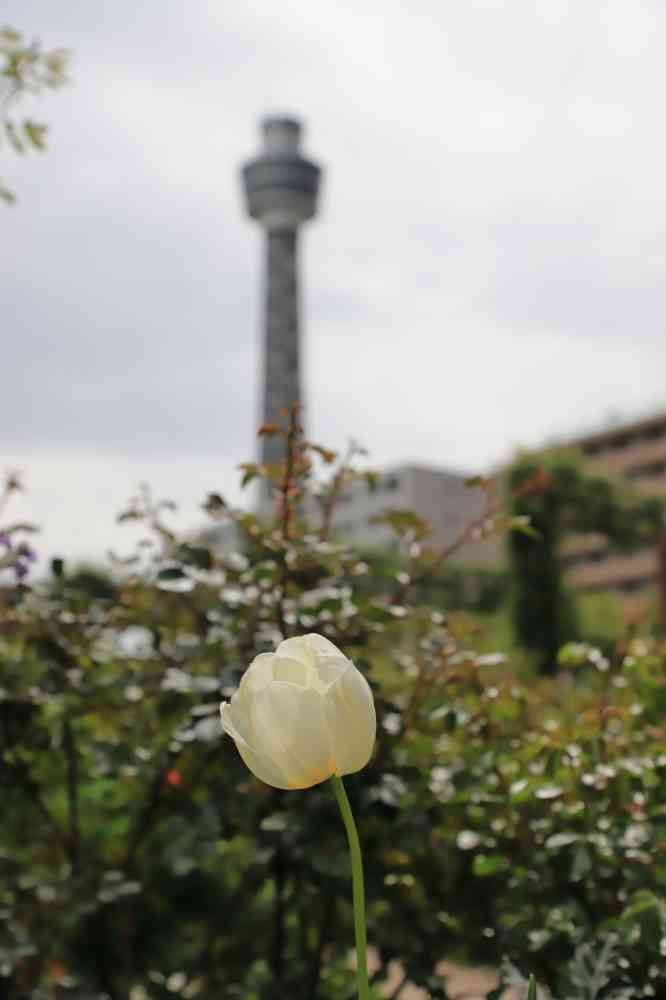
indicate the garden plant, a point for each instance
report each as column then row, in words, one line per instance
column 507, row 818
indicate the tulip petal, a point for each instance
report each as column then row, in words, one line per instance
column 288, row 669
column 259, row 673
column 289, row 725
column 296, row 649
column 262, row 767
column 330, row 668
column 307, row 648
column 235, row 719
column 321, row 645
column 350, row 712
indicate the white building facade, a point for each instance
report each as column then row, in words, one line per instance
column 438, row 496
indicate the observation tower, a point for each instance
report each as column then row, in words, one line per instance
column 281, row 188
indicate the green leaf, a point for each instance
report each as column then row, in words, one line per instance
column 582, row 863
column 486, row 865
column 250, row 472
column 195, row 555
column 35, row 134
column 6, row 195
column 404, row 522
column 129, row 515
column 13, row 137
column 214, row 504
column 378, row 612
column 24, row 527
column 647, row 911
column 521, row 523
column 480, row 483
column 327, row 456
column 170, row 573
column 9, row 36
column 371, row 481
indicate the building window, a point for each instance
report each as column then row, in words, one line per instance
column 391, row 483
column 650, row 471
column 654, row 433
column 634, row 584
column 584, row 558
column 620, row 442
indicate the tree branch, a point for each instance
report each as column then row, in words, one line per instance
column 147, row 815
column 34, row 793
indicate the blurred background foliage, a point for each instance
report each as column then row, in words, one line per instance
column 560, row 498
column 508, row 815
column 26, row 69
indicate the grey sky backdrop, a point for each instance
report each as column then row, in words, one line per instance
column 487, row 269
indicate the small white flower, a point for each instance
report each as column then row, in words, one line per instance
column 392, row 723
column 548, row 792
column 467, row 840
column 561, row 840
column 636, row 835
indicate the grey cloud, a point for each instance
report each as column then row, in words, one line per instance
column 480, row 238
column 563, row 276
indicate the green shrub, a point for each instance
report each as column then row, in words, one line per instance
column 139, row 858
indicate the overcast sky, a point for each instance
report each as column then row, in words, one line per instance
column 487, row 269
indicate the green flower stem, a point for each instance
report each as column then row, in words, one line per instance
column 357, row 887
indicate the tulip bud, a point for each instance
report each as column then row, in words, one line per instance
column 302, row 714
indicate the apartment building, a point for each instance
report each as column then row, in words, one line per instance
column 636, row 453
column 438, row 496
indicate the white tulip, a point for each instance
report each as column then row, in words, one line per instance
column 302, row 714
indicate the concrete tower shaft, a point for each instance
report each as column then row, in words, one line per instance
column 281, row 189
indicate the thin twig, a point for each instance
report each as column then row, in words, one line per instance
column 293, row 431
column 330, row 499
column 74, row 833
column 472, row 531
column 286, row 511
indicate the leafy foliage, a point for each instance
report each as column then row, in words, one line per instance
column 559, row 498
column 139, row 858
column 25, row 68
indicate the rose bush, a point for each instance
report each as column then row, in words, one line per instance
column 501, row 814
